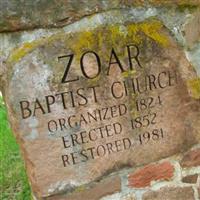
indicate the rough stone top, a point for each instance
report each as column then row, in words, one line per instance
column 23, row 15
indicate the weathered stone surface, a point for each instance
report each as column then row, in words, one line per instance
column 153, row 172
column 192, row 30
column 178, row 2
column 18, row 15
column 128, row 197
column 95, row 192
column 2, row 72
column 198, row 191
column 191, row 159
column 190, row 179
column 120, row 196
column 21, row 15
column 185, row 193
column 98, row 100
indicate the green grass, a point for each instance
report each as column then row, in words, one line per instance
column 13, row 180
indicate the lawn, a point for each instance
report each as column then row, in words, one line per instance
column 13, row 180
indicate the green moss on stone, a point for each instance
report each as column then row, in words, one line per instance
column 111, row 35
column 80, row 188
column 183, row 7
column 194, row 87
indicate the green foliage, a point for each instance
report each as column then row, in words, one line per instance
column 13, row 180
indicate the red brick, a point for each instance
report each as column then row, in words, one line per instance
column 153, row 172
column 191, row 159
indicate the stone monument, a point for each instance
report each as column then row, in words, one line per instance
column 106, row 106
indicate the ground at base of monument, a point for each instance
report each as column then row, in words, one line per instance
column 13, row 181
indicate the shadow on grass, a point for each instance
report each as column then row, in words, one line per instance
column 13, row 180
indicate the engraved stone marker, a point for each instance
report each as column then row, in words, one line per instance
column 88, row 103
